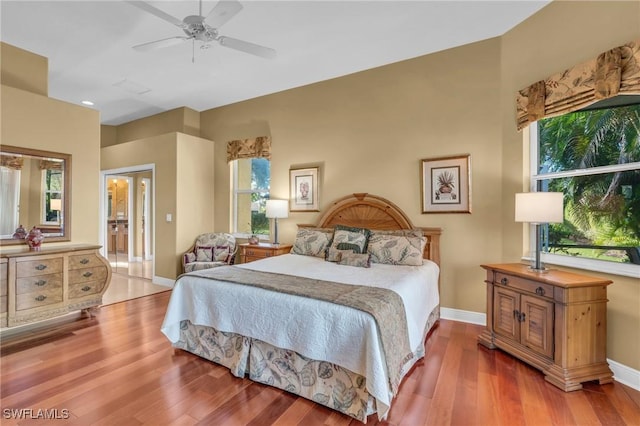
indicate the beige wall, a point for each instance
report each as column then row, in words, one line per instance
column 369, row 131
column 24, row 70
column 182, row 120
column 31, row 120
column 183, row 188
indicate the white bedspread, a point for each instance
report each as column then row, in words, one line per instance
column 315, row 329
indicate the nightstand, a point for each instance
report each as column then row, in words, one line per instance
column 250, row 252
column 555, row 321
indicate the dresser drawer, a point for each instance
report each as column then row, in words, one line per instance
column 79, row 276
column 38, row 283
column 36, row 299
column 80, row 261
column 254, row 254
column 523, row 284
column 34, row 268
column 85, row 289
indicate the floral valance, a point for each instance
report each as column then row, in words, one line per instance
column 11, row 161
column 614, row 72
column 259, row 147
column 51, row 165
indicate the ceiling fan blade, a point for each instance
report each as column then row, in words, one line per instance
column 245, row 46
column 223, row 12
column 157, row 12
column 158, row 44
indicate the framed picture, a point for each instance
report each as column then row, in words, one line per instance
column 304, row 189
column 446, row 184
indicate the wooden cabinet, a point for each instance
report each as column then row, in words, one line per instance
column 555, row 321
column 251, row 252
column 37, row 285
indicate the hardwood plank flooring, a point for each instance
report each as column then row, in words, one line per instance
column 118, row 369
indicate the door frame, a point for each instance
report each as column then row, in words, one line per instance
column 103, row 194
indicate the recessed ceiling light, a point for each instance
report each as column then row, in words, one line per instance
column 89, row 103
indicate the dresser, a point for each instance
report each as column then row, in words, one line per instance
column 555, row 321
column 38, row 285
column 250, row 252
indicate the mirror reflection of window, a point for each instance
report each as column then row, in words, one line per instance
column 9, row 200
column 52, row 183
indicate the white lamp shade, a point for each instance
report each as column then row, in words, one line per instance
column 539, row 207
column 55, row 204
column 277, row 208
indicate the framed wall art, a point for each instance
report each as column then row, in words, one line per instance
column 446, row 184
column 304, row 188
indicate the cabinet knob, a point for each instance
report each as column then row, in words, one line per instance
column 85, row 288
column 87, row 274
column 504, row 281
column 84, row 261
column 41, row 267
column 40, row 298
column 540, row 291
column 40, row 283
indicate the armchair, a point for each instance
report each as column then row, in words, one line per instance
column 209, row 251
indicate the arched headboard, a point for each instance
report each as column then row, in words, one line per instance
column 373, row 212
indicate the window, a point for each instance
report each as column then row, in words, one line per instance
column 52, row 182
column 593, row 157
column 251, row 180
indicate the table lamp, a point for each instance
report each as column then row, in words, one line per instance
column 277, row 209
column 539, row 208
column 55, row 204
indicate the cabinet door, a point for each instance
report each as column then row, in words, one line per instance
column 506, row 305
column 537, row 327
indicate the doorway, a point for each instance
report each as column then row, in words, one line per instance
column 127, row 221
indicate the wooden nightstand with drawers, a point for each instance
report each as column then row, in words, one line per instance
column 250, row 252
column 555, row 321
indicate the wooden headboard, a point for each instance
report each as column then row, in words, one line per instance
column 373, row 212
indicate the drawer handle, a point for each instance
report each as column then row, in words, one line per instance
column 40, row 283
column 85, row 288
column 87, row 274
column 504, row 281
column 540, row 291
column 84, row 261
column 40, row 298
column 41, row 267
column 519, row 316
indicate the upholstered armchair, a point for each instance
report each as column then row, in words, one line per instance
column 209, row 251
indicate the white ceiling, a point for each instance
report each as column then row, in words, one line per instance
column 89, row 46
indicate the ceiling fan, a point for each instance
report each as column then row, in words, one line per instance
column 203, row 28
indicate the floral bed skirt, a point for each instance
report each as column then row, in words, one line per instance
column 320, row 381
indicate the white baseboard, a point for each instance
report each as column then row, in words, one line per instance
column 167, row 282
column 621, row 373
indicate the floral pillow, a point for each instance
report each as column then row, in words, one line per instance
column 397, row 249
column 312, row 241
column 221, row 253
column 334, row 255
column 350, row 238
column 362, row 260
column 189, row 257
column 204, row 253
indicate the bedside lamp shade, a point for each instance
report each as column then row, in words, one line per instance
column 277, row 209
column 539, row 208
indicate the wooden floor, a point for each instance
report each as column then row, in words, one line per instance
column 118, row 369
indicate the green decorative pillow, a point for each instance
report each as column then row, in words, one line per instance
column 397, row 249
column 312, row 241
column 350, row 238
column 355, row 259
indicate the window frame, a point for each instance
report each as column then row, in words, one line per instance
column 47, row 191
column 614, row 268
column 233, row 165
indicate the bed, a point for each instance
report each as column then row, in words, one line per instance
column 313, row 323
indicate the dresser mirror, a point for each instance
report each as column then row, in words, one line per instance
column 35, row 188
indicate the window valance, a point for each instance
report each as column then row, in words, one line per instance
column 11, row 161
column 614, row 72
column 50, row 165
column 259, row 147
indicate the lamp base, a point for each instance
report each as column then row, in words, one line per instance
column 540, row 270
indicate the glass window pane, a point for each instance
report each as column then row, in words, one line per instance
column 587, row 139
column 260, row 174
column 601, row 216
